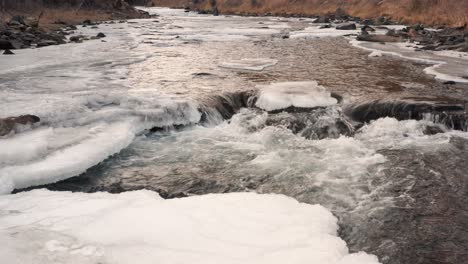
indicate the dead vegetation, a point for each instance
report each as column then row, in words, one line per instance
column 430, row 12
column 52, row 14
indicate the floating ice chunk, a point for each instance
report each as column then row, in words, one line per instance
column 278, row 96
column 140, row 227
column 51, row 155
column 375, row 54
column 249, row 64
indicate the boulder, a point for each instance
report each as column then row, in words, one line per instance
column 10, row 123
column 75, row 38
column 325, row 26
column 215, row 11
column 6, row 44
column 383, row 21
column 8, row 52
column 15, row 24
column 367, row 28
column 346, row 26
column 17, row 20
column 323, row 19
column 71, row 27
column 45, row 43
column 367, row 22
column 378, row 38
column 100, row 35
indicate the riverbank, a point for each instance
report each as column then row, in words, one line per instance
column 48, row 25
column 449, row 12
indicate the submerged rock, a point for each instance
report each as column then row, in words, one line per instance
column 10, row 123
column 316, row 124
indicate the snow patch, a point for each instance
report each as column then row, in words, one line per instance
column 140, row 227
column 309, row 94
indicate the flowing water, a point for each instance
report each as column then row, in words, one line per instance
column 186, row 104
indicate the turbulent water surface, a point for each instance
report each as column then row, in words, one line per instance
column 186, row 104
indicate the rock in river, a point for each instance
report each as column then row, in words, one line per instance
column 10, row 123
column 346, row 26
column 6, row 44
column 8, row 52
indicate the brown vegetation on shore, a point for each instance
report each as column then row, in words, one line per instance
column 430, row 12
column 51, row 14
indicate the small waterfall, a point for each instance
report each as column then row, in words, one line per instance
column 451, row 115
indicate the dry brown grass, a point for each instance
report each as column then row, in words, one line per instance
column 66, row 11
column 171, row 3
column 430, row 12
column 50, row 16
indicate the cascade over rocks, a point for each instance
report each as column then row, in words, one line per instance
column 450, row 115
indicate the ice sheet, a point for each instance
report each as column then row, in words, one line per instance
column 306, row 94
column 88, row 109
column 316, row 32
column 444, row 65
column 139, row 227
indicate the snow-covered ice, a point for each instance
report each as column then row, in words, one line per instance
column 317, row 32
column 88, row 109
column 443, row 65
column 140, row 227
column 307, row 94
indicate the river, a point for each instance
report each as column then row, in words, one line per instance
column 187, row 105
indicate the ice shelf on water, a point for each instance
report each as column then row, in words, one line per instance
column 249, row 64
column 88, row 109
column 307, row 94
column 443, row 65
column 317, row 32
column 140, row 227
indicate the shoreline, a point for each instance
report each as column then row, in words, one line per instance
column 21, row 29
